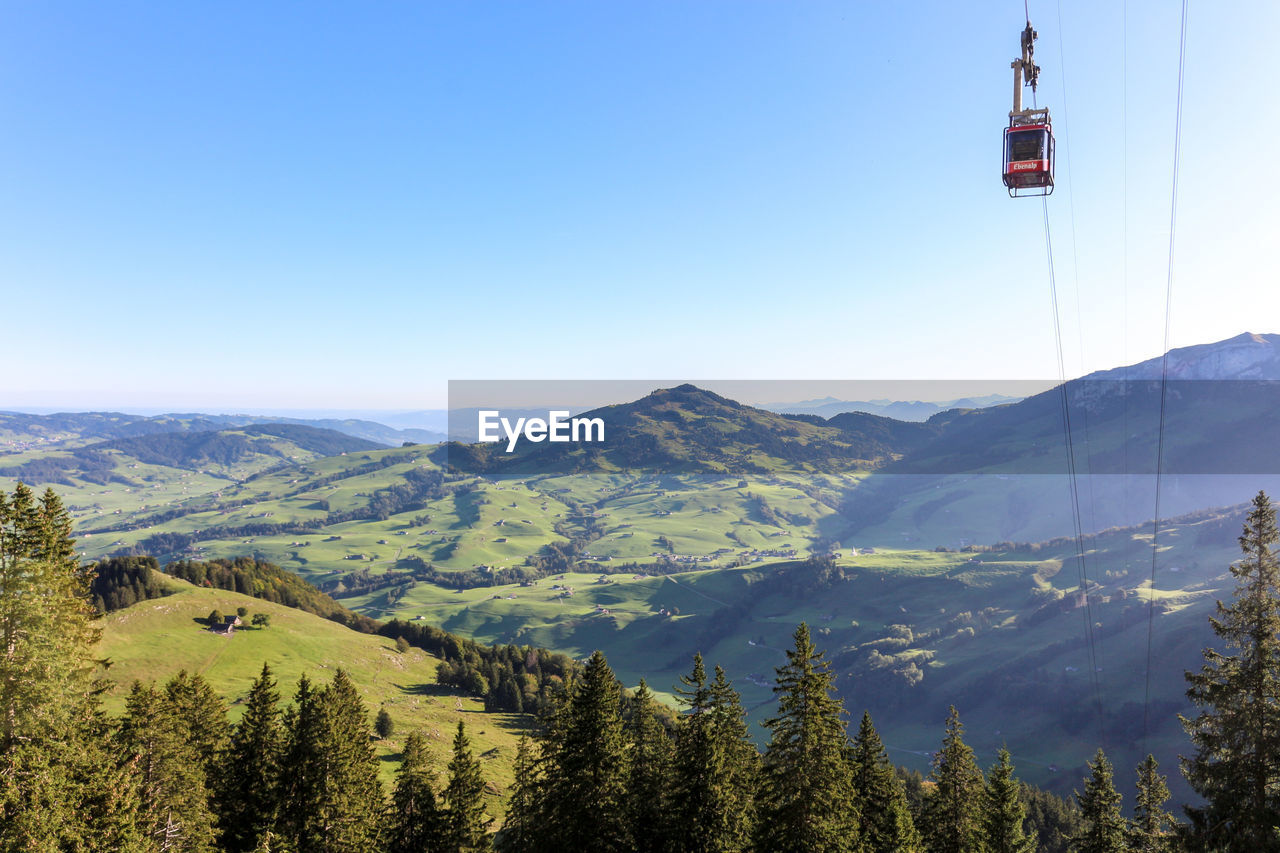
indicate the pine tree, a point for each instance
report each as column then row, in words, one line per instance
column 204, row 715
column 1100, row 807
column 46, row 630
column 880, row 797
column 585, row 766
column 1236, row 768
column 519, row 829
column 109, row 799
column 301, row 778
column 416, row 824
column 248, row 786
column 1005, row 813
column 37, row 801
column 332, row 797
column 716, row 768
column 1151, row 829
column 382, row 724
column 351, row 804
column 174, row 813
column 953, row 812
column 698, row 807
column 741, row 767
column 648, row 802
column 807, row 798
column 61, row 785
column 466, row 828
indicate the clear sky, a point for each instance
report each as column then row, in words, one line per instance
column 343, row 205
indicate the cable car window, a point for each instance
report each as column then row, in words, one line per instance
column 1026, row 145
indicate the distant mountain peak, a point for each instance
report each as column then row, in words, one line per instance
column 685, row 394
column 1246, row 356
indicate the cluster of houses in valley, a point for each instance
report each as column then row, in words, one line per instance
column 684, row 558
column 755, row 555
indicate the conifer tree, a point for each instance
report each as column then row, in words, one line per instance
column 174, row 814
column 1151, row 829
column 1236, row 768
column 698, row 808
column 807, row 799
column 351, row 804
column 880, row 796
column 1005, row 813
column 716, row 768
column 741, row 763
column 248, row 788
column 585, row 766
column 332, row 797
column 416, row 822
column 61, row 785
column 382, row 724
column 302, row 772
column 648, row 801
column 466, row 828
column 37, row 801
column 1100, row 807
column 520, row 828
column 203, row 714
column 46, row 629
column 953, row 812
column 108, row 803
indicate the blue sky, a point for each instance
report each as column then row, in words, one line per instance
column 343, row 205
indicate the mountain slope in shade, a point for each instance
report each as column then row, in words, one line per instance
column 1001, row 473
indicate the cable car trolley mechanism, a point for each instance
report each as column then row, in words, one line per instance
column 1027, row 166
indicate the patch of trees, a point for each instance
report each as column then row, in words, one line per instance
column 509, row 678
column 119, row 582
column 269, row 582
column 420, row 486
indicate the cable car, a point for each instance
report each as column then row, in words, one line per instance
column 1027, row 165
column 1028, row 155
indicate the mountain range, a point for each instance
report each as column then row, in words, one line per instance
column 957, row 574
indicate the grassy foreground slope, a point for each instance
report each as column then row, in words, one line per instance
column 154, row 639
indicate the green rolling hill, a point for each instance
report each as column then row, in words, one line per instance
column 154, row 639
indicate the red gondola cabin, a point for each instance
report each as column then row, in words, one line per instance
column 1028, row 158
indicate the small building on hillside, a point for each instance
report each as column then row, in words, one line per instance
column 228, row 625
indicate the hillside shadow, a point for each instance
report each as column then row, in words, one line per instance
column 424, row 689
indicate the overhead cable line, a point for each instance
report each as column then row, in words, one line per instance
column 1164, row 364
